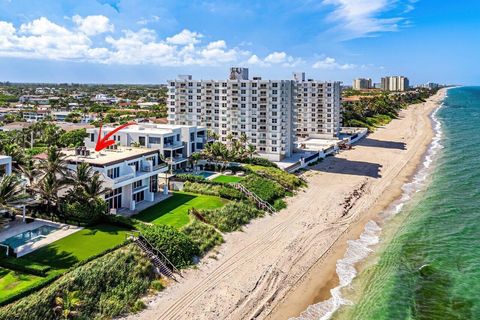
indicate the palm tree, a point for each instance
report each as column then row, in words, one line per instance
column 67, row 306
column 12, row 194
column 251, row 150
column 29, row 171
column 54, row 164
column 194, row 159
column 47, row 189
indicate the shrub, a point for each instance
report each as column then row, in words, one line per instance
column 218, row 189
column 121, row 221
column 189, row 177
column 175, row 245
column 86, row 212
column 107, row 287
column 279, row 204
column 203, row 235
column 266, row 189
column 286, row 179
column 261, row 162
column 232, row 216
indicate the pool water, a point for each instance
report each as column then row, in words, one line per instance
column 29, row 236
column 205, row 174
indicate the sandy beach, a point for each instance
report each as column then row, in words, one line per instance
column 279, row 265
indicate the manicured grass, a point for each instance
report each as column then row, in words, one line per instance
column 174, row 210
column 79, row 246
column 12, row 282
column 227, row 179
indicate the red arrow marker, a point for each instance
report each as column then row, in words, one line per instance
column 104, row 142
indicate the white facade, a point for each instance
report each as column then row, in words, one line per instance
column 131, row 174
column 395, row 83
column 175, row 143
column 361, row 84
column 260, row 109
column 317, row 107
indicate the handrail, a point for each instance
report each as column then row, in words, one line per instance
column 156, row 251
column 260, row 202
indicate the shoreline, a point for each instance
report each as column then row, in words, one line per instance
column 323, row 277
column 279, row 265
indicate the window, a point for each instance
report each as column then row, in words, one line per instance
column 139, row 197
column 136, row 164
column 137, row 184
column 114, row 198
column 141, row 141
column 154, row 184
column 92, row 137
column 154, row 140
column 113, row 172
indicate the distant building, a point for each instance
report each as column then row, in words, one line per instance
column 362, row 83
column 395, row 83
column 431, row 85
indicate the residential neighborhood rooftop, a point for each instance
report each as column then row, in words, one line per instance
column 107, row 156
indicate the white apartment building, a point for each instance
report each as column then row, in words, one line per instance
column 131, row 174
column 175, row 143
column 263, row 110
column 395, row 83
column 362, row 84
column 317, row 107
column 5, row 165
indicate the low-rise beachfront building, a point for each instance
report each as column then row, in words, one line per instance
column 133, row 175
column 175, row 143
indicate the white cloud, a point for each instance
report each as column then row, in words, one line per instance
column 91, row 25
column 331, row 63
column 185, row 37
column 44, row 39
column 360, row 18
column 275, row 58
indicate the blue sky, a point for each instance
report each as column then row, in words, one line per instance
column 142, row 41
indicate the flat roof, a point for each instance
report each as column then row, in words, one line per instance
column 152, row 127
column 107, row 157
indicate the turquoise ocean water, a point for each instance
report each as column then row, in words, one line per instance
column 424, row 261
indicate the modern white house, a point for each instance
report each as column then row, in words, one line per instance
column 175, row 143
column 263, row 110
column 133, row 175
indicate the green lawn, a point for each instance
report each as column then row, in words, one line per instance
column 227, row 179
column 79, row 246
column 174, row 210
column 12, row 282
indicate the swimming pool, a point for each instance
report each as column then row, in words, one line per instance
column 205, row 174
column 29, row 236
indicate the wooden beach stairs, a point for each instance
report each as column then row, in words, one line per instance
column 162, row 265
column 263, row 205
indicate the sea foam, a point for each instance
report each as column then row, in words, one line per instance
column 358, row 250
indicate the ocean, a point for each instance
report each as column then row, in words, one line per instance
column 424, row 261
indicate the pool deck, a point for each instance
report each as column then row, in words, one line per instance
column 17, row 226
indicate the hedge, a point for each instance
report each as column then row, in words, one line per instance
column 32, row 268
column 218, row 189
column 287, row 180
column 266, row 189
column 175, row 245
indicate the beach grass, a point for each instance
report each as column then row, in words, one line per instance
column 174, row 210
column 227, row 179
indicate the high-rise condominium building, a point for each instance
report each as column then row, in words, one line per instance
column 317, row 107
column 395, row 83
column 362, row 83
column 263, row 110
